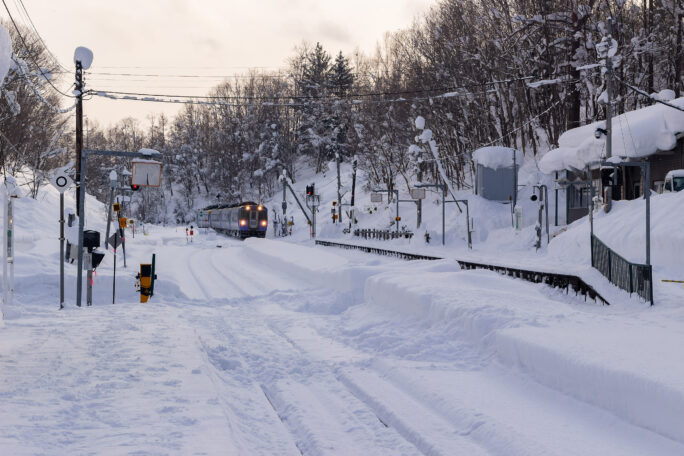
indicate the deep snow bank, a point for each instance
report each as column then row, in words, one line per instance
column 624, row 230
column 605, row 359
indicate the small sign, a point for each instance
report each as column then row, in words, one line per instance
column 114, row 241
column 61, row 181
column 376, row 197
column 131, row 222
column 418, row 193
column 116, row 207
column 122, row 222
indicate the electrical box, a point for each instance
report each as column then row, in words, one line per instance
column 91, row 239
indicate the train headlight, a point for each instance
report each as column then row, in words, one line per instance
column 243, row 222
column 260, row 208
column 263, row 223
column 247, row 208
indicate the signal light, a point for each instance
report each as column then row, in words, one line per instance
column 310, row 190
column 135, row 187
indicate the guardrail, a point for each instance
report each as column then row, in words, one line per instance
column 383, row 235
column 632, row 277
column 377, row 251
column 563, row 281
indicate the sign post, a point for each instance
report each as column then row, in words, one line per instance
column 112, row 186
column 61, row 181
column 8, row 242
column 114, row 241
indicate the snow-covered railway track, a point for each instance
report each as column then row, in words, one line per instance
column 417, row 424
column 317, row 410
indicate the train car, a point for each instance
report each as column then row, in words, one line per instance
column 242, row 220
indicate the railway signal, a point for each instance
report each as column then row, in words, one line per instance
column 135, row 187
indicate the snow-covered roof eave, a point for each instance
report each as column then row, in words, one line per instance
column 496, row 157
column 636, row 134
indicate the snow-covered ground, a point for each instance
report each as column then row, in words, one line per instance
column 272, row 347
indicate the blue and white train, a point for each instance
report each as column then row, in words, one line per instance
column 242, row 220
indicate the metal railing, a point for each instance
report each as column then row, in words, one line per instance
column 631, row 277
column 383, row 235
column 563, row 281
column 377, row 251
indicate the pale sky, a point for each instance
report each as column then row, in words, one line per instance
column 201, row 37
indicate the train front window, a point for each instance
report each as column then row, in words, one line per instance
column 678, row 183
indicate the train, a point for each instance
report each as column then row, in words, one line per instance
column 243, row 220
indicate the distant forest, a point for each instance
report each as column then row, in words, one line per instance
column 489, row 72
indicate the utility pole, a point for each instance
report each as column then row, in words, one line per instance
column 79, row 131
column 419, row 202
column 339, row 187
column 609, row 107
column 352, row 214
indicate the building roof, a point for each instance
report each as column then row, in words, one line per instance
column 635, row 134
column 496, row 157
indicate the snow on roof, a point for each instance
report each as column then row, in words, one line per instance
column 675, row 173
column 496, row 157
column 5, row 53
column 635, row 134
column 148, row 151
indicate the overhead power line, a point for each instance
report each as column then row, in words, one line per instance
column 187, row 99
column 319, row 97
column 23, row 41
column 35, row 30
column 646, row 94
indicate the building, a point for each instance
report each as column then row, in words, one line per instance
column 496, row 176
column 654, row 134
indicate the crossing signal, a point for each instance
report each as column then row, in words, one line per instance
column 135, row 187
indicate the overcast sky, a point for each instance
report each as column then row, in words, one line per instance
column 200, row 37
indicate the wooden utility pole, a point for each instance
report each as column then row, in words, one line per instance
column 79, row 131
column 339, row 187
column 352, row 216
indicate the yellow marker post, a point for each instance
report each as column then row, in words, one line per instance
column 145, row 281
